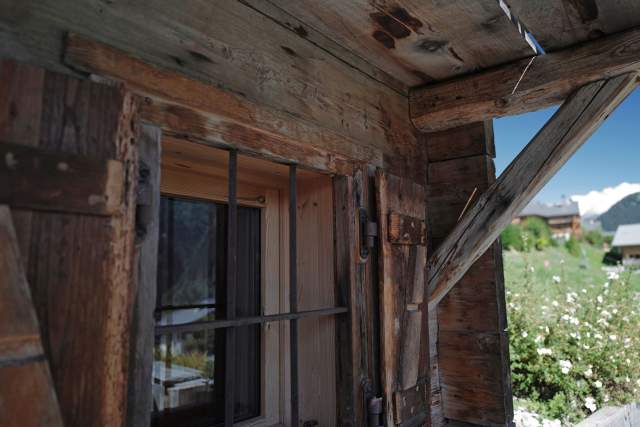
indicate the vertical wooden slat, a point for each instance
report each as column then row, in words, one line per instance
column 403, row 307
column 350, row 398
column 27, row 395
column 139, row 399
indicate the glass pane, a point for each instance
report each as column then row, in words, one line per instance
column 189, row 367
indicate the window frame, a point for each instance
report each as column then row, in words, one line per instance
column 272, row 203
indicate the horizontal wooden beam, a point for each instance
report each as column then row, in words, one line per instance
column 548, row 80
column 196, row 110
column 582, row 113
column 35, row 179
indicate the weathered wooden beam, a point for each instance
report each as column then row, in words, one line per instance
column 548, row 81
column 185, row 106
column 32, row 178
column 582, row 113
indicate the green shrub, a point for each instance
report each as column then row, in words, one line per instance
column 573, row 246
column 538, row 231
column 512, row 238
column 594, row 237
column 613, row 257
column 577, row 349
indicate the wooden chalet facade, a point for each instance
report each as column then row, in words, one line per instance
column 277, row 213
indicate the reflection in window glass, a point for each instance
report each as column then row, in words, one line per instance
column 189, row 367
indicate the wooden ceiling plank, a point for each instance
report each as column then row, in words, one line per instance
column 578, row 118
column 548, row 81
column 560, row 23
column 414, row 40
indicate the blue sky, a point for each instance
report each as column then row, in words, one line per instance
column 611, row 156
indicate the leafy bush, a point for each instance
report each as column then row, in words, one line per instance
column 594, row 237
column 573, row 246
column 613, row 257
column 538, row 231
column 512, row 238
column 575, row 353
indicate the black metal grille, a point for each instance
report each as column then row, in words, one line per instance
column 231, row 321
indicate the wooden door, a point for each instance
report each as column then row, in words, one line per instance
column 403, row 300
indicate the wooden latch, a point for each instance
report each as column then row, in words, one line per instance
column 368, row 233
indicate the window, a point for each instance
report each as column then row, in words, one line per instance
column 191, row 369
column 189, row 366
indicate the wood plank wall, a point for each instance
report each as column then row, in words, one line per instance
column 78, row 266
column 239, row 50
column 470, row 359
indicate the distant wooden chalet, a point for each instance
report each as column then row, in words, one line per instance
column 277, row 213
column 562, row 218
column 627, row 239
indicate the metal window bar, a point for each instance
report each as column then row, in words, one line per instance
column 293, row 294
column 231, row 322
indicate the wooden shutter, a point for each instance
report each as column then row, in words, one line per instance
column 77, row 240
column 27, row 397
column 403, row 300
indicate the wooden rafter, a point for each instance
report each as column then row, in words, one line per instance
column 548, row 81
column 577, row 119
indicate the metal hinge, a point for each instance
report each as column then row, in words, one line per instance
column 368, row 233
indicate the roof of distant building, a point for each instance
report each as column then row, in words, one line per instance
column 566, row 208
column 627, row 235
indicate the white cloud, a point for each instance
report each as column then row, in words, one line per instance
column 598, row 202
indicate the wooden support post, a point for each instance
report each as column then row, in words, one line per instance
column 549, row 79
column 460, row 169
column 558, row 140
column 139, row 393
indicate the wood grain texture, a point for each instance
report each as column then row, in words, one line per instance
column 350, row 403
column 406, row 230
column 228, row 45
column 79, row 267
column 316, row 289
column 560, row 23
column 415, row 41
column 34, row 179
column 403, row 319
column 565, row 132
column 27, row 394
column 470, row 349
column 549, row 80
column 20, row 113
column 142, row 333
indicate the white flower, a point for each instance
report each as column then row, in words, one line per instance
column 614, row 311
column 525, row 334
column 544, row 351
column 562, row 261
column 597, row 336
column 531, row 269
column 613, row 275
column 589, row 372
column 600, row 299
column 565, row 366
column 539, row 339
column 570, row 298
column 584, row 291
column 586, row 347
column 606, row 285
column 613, row 337
column 555, row 303
column 606, row 397
column 590, row 404
column 556, row 279
column 598, row 384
